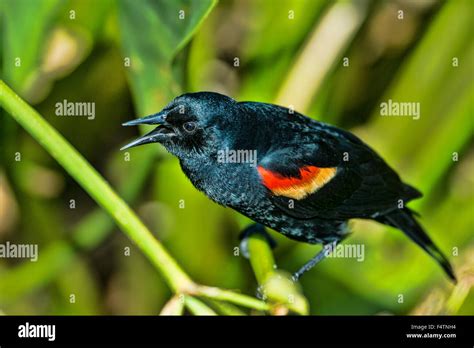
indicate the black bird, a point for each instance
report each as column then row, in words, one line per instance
column 302, row 178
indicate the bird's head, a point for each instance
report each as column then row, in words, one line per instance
column 190, row 123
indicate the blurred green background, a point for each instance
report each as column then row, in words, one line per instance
column 333, row 60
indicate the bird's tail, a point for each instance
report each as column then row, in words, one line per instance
column 403, row 219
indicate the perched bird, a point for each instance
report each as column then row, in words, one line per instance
column 305, row 180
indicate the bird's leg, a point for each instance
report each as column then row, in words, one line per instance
column 327, row 249
column 250, row 230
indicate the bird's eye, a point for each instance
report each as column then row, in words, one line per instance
column 189, row 127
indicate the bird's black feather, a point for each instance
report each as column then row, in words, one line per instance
column 361, row 185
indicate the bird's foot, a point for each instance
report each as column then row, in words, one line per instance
column 247, row 232
column 260, row 293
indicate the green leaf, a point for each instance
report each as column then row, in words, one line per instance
column 153, row 32
column 24, row 39
column 272, row 45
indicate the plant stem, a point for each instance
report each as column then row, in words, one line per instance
column 261, row 257
column 73, row 162
column 230, row 296
column 175, row 306
column 274, row 284
column 225, row 308
column 197, row 307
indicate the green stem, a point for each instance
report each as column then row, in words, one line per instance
column 225, row 308
column 261, row 257
column 230, row 296
column 275, row 284
column 197, row 307
column 73, row 162
column 175, row 306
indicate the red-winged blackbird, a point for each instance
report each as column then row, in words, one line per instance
column 307, row 178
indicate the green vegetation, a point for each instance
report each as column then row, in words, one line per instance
column 130, row 58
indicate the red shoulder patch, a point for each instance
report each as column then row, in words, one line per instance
column 311, row 179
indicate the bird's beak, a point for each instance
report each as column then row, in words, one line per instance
column 158, row 118
column 160, row 133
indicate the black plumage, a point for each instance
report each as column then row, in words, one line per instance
column 308, row 180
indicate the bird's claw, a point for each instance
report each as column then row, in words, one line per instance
column 295, row 277
column 260, row 293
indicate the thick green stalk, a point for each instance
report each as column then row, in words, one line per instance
column 261, row 257
column 275, row 285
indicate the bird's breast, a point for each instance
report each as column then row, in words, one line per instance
column 236, row 185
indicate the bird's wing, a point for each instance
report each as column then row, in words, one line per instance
column 332, row 175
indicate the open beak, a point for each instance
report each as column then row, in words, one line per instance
column 160, row 133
